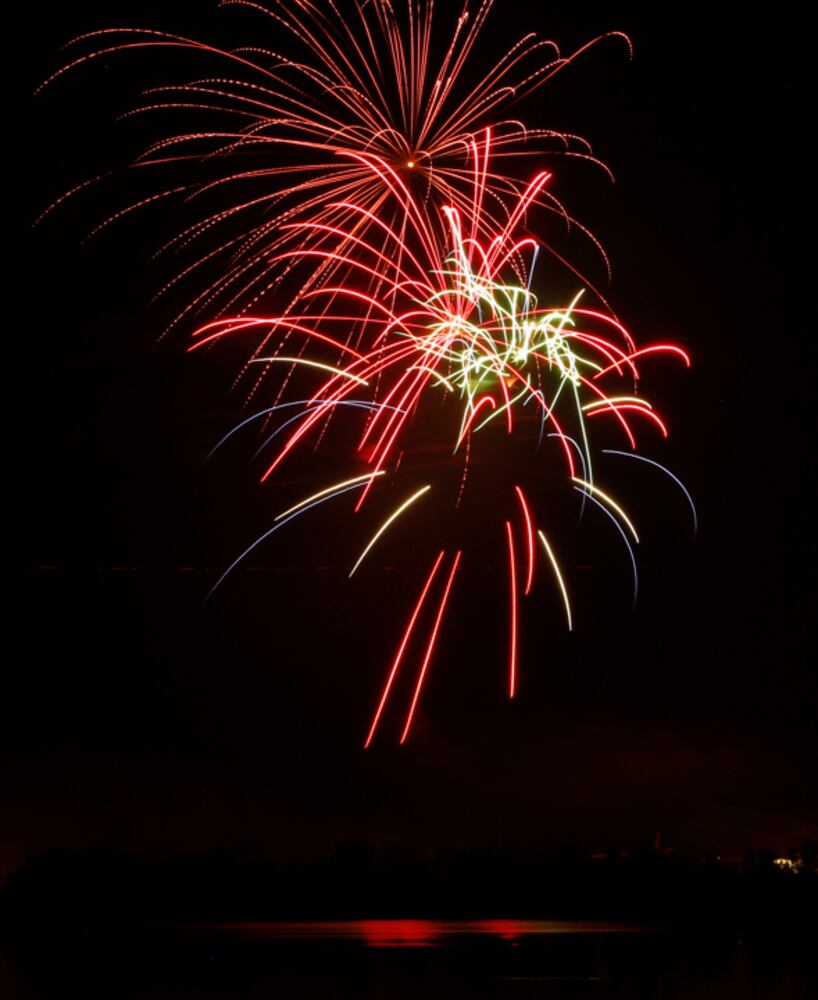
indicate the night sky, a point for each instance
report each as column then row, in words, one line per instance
column 139, row 718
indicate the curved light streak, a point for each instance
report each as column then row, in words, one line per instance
column 529, row 534
column 311, row 364
column 366, row 478
column 366, row 404
column 625, row 539
column 430, row 648
column 609, row 400
column 512, row 652
column 667, row 472
column 402, row 648
column 555, row 566
column 395, row 514
column 610, row 501
column 271, row 531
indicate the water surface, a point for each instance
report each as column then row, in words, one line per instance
column 402, row 959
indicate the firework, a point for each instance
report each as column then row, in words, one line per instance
column 467, row 329
column 274, row 138
column 365, row 236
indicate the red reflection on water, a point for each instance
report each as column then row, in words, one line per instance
column 508, row 930
column 399, row 933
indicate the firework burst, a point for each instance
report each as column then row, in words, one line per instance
column 365, row 226
column 272, row 138
column 468, row 328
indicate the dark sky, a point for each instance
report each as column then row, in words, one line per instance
column 138, row 718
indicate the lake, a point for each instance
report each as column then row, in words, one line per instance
column 397, row 959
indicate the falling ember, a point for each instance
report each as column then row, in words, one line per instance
column 512, row 587
column 402, row 648
column 430, row 648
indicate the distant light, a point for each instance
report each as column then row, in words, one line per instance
column 411, row 163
